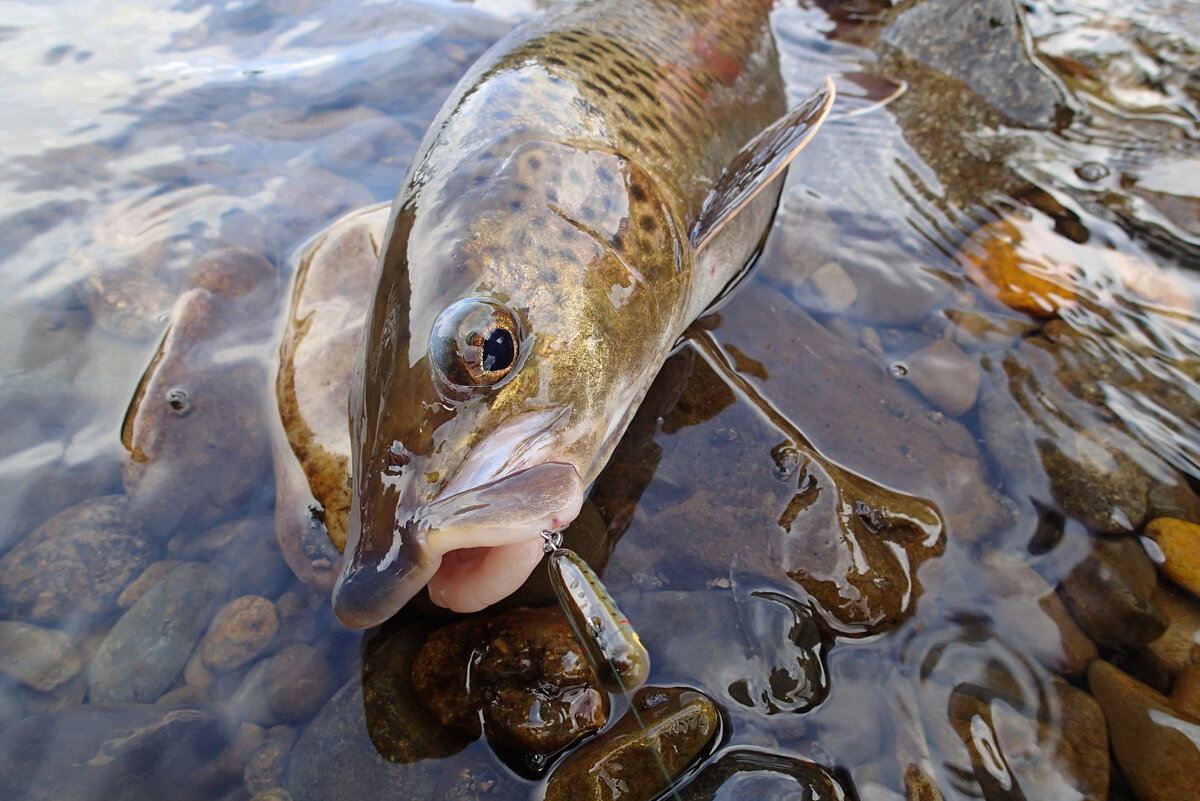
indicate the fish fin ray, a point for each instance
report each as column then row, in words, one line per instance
column 761, row 161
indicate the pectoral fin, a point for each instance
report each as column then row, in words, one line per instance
column 761, row 161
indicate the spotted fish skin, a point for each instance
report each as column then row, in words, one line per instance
column 564, row 181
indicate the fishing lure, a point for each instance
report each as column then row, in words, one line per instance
column 611, row 646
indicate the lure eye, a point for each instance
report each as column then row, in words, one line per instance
column 475, row 343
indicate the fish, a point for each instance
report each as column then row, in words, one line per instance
column 591, row 186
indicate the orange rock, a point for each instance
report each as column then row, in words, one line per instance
column 1022, row 266
column 1179, row 542
column 1185, row 695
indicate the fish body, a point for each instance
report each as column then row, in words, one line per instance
column 587, row 190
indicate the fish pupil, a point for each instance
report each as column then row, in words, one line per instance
column 498, row 350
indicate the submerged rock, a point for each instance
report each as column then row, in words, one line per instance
column 1178, row 542
column 642, row 754
column 1109, row 594
column 1154, row 743
column 745, row 773
column 148, row 647
column 37, row 657
column 241, row 630
column 527, row 675
column 75, row 565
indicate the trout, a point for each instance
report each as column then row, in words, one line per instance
column 591, row 186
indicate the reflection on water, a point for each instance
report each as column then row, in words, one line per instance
column 982, row 294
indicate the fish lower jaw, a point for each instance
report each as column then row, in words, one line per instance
column 471, row 579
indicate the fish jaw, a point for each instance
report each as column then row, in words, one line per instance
column 472, row 548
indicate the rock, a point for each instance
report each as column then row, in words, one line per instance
column 1109, row 593
column 274, row 794
column 148, row 647
column 298, row 682
column 1152, row 741
column 629, row 760
column 1023, row 266
column 249, row 701
column 527, row 674
column 335, row 760
column 196, row 438
column 1179, row 647
column 745, row 773
column 1178, row 543
column 268, row 762
column 1026, row 609
column 1083, row 745
column 126, row 302
column 833, row 290
column 195, row 674
column 947, row 377
column 149, row 577
column 241, row 630
column 247, row 547
column 227, row 767
column 118, row 753
column 39, row 658
column 1185, row 695
column 189, row 696
column 75, row 565
column 296, row 620
column 981, row 331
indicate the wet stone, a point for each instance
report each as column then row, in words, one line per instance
column 1185, row 695
column 629, row 760
column 148, row 647
column 527, row 674
column 335, row 759
column 241, row 630
column 226, row 767
column 945, row 376
column 126, row 302
column 1178, row 544
column 746, row 773
column 1026, row 609
column 267, row 763
column 1155, row 745
column 149, row 577
column 247, row 547
column 249, row 701
column 1109, row 595
column 298, row 682
column 1179, row 646
column 39, row 658
column 75, row 565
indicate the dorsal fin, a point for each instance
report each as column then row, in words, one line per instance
column 758, row 163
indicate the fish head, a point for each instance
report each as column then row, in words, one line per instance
column 521, row 312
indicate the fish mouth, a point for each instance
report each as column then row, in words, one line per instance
column 472, row 548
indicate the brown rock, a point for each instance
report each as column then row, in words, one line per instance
column 1027, row 609
column 75, row 564
column 241, row 631
column 1023, row 266
column 947, row 377
column 149, row 577
column 1150, row 739
column 1185, row 695
column 267, row 764
column 670, row 731
column 1179, row 543
column 1109, row 595
column 1179, row 647
column 299, row 681
column 39, row 658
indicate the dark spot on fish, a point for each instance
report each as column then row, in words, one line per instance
column 646, row 93
column 618, row 242
column 585, row 57
column 649, row 122
column 628, row 114
column 554, row 62
column 604, row 174
column 646, row 223
column 631, row 139
column 594, row 88
column 515, row 205
column 522, row 187
column 533, row 163
column 637, row 193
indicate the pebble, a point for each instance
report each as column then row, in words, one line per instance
column 676, row 723
column 149, row 577
column 1109, row 593
column 268, row 762
column 1185, row 695
column 833, row 289
column 298, row 682
column 39, row 658
column 1179, row 647
column 745, row 773
column 126, row 302
column 1156, row 746
column 336, row 758
column 247, row 547
column 249, row 700
column 1026, row 609
column 241, row 630
column 73, row 567
column 189, row 696
column 148, row 647
column 945, row 376
column 1178, row 542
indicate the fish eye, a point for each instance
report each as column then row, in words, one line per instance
column 475, row 343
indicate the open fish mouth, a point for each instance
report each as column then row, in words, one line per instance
column 472, row 548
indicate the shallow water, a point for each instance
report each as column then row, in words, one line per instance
column 760, row 530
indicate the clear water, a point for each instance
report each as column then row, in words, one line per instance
column 141, row 136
